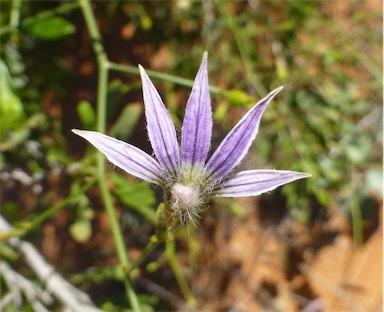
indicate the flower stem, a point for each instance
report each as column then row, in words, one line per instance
column 15, row 14
column 102, row 61
column 170, row 250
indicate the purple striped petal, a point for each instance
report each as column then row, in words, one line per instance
column 256, row 182
column 197, row 125
column 128, row 157
column 161, row 130
column 236, row 144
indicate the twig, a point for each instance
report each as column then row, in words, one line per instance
column 72, row 298
column 166, row 295
column 17, row 283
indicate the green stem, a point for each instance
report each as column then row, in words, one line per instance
column 165, row 77
column 162, row 233
column 170, row 250
column 357, row 225
column 242, row 44
column 103, row 62
column 15, row 14
column 24, row 227
column 160, row 236
column 154, row 242
column 357, row 218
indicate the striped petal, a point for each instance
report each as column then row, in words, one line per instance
column 161, row 130
column 197, row 125
column 127, row 157
column 237, row 143
column 256, row 182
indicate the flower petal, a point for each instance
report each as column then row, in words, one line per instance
column 197, row 125
column 126, row 156
column 161, row 130
column 256, row 182
column 236, row 144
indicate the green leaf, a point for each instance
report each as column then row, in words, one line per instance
column 127, row 121
column 146, row 22
column 220, row 114
column 51, row 28
column 238, row 97
column 8, row 253
column 237, row 209
column 152, row 267
column 10, row 209
column 86, row 114
column 116, row 89
column 137, row 195
column 11, row 107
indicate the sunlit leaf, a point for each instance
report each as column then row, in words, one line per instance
column 137, row 195
column 238, row 98
column 51, row 28
column 11, row 107
column 87, row 115
column 127, row 121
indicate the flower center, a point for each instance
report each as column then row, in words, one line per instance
column 185, row 196
column 186, row 202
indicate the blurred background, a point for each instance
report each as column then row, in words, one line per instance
column 313, row 245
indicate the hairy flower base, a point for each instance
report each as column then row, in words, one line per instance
column 189, row 195
column 186, row 202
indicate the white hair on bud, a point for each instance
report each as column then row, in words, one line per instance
column 186, row 202
column 185, row 196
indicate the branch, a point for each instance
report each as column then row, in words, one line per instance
column 71, row 297
column 17, row 283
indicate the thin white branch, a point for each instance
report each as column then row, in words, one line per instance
column 14, row 290
column 72, row 298
column 6, row 299
column 17, row 283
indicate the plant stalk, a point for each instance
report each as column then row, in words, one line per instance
column 103, row 66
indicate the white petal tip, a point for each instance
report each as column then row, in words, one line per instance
column 306, row 175
column 278, row 89
column 77, row 131
column 142, row 70
column 82, row 133
column 297, row 174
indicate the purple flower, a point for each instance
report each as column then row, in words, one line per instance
column 185, row 173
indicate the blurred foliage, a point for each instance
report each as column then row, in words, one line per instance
column 138, row 196
column 327, row 121
column 51, row 28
